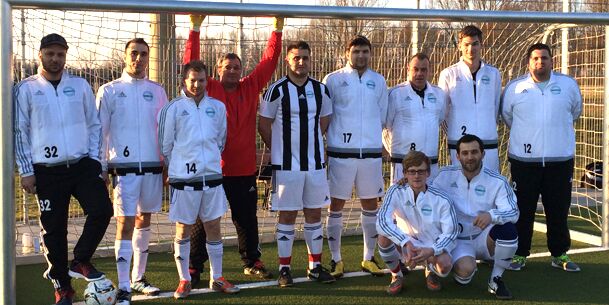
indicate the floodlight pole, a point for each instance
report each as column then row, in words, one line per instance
column 7, row 211
column 605, row 217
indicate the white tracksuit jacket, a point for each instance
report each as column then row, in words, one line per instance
column 192, row 138
column 359, row 110
column 469, row 114
column 430, row 219
column 53, row 126
column 541, row 122
column 487, row 192
column 128, row 110
column 413, row 123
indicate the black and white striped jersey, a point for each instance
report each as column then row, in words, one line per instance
column 297, row 141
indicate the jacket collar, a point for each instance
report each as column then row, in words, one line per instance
column 125, row 76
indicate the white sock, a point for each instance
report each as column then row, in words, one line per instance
column 215, row 250
column 315, row 242
column 285, row 241
column 123, row 253
column 391, row 257
column 368, row 219
column 504, row 252
column 182, row 257
column 141, row 239
column 334, row 231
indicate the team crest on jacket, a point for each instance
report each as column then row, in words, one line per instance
column 310, row 94
column 69, row 91
column 211, row 112
column 426, row 210
column 148, row 96
column 370, row 84
column 485, row 79
column 555, row 90
column 480, row 190
column 432, row 98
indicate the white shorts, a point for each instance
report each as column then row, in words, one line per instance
column 397, row 172
column 134, row 195
column 490, row 161
column 295, row 190
column 186, row 206
column 367, row 174
column 476, row 248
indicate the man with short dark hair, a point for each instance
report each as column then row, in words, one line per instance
column 128, row 108
column 57, row 146
column 486, row 211
column 359, row 109
column 540, row 108
column 294, row 115
column 472, row 88
column 421, row 221
column 241, row 97
column 416, row 109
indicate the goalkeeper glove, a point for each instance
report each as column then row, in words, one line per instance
column 195, row 21
column 278, row 24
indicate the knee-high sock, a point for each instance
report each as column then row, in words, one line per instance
column 391, row 257
column 334, row 230
column 182, row 257
column 315, row 242
column 141, row 239
column 215, row 250
column 504, row 252
column 123, row 253
column 285, row 240
column 368, row 219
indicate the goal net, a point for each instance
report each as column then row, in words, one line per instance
column 97, row 42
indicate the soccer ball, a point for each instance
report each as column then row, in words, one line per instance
column 101, row 292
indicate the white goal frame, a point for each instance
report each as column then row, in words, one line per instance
column 7, row 160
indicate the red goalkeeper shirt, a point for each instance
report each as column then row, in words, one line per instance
column 239, row 156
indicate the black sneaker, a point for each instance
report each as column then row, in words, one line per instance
column 123, row 297
column 285, row 278
column 320, row 274
column 85, row 270
column 195, row 276
column 258, row 269
column 64, row 296
column 497, row 287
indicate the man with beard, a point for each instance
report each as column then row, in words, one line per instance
column 128, row 108
column 540, row 108
column 359, row 109
column 473, row 88
column 486, row 211
column 57, row 146
column 416, row 109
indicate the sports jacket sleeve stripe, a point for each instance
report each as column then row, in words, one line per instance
column 167, row 130
column 385, row 222
column 505, row 200
column 22, row 132
column 104, row 118
column 93, row 124
column 448, row 222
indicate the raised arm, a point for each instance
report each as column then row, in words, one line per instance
column 192, row 51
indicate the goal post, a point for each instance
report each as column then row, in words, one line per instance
column 8, row 48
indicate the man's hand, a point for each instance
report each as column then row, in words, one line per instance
column 195, row 21
column 483, row 220
column 29, row 184
column 165, row 176
column 408, row 252
column 105, row 177
column 422, row 255
column 278, row 24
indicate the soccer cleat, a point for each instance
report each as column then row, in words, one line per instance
column 195, row 276
column 337, row 270
column 396, row 285
column 123, row 297
column 183, row 290
column 497, row 287
column 64, row 296
column 372, row 267
column 143, row 286
column 564, row 262
column 85, row 270
column 320, row 274
column 223, row 285
column 285, row 278
column 403, row 268
column 258, row 269
column 432, row 281
column 518, row 262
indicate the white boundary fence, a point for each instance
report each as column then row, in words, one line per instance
column 7, row 217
